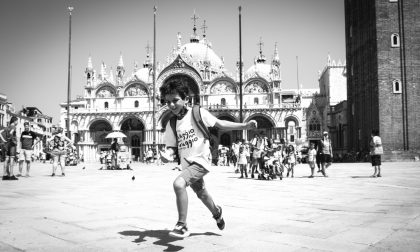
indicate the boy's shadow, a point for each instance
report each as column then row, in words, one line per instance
column 163, row 237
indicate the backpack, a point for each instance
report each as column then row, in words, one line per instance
column 208, row 132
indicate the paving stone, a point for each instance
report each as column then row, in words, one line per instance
column 94, row 210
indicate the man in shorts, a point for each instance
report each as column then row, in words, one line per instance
column 10, row 149
column 27, row 140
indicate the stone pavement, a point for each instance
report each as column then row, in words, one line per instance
column 100, row 210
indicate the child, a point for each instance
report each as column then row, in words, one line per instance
column 291, row 160
column 193, row 150
column 312, row 158
column 376, row 151
column 243, row 161
column 278, row 162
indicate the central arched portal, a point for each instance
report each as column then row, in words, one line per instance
column 264, row 127
column 133, row 128
column 194, row 94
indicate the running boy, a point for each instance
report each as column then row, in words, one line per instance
column 193, row 150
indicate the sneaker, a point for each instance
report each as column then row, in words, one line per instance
column 219, row 219
column 5, row 178
column 180, row 231
column 13, row 178
column 52, row 175
column 19, row 175
column 63, row 174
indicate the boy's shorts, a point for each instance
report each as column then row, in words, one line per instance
column 193, row 175
column 25, row 155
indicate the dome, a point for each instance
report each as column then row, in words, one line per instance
column 143, row 75
column 200, row 52
column 262, row 69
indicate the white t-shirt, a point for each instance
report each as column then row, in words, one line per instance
column 192, row 146
column 242, row 157
column 311, row 155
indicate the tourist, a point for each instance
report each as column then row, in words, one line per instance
column 58, row 145
column 27, row 140
column 9, row 140
column 312, row 159
column 376, row 151
column 193, row 148
column 291, row 160
column 327, row 153
column 243, row 161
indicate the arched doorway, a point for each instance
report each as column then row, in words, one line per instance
column 98, row 131
column 292, row 130
column 265, row 127
column 228, row 137
column 133, row 128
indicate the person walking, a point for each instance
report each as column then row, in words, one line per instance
column 291, row 160
column 27, row 140
column 327, row 153
column 312, row 159
column 193, row 149
column 376, row 150
column 8, row 137
column 58, row 145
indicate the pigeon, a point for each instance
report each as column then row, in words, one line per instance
column 133, row 178
column 83, row 167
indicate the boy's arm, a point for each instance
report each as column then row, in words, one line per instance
column 228, row 125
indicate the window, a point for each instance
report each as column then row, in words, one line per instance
column 136, row 104
column 395, row 40
column 256, row 100
column 396, row 87
column 393, row 1
column 106, row 105
column 223, row 102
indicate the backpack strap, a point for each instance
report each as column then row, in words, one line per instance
column 199, row 121
column 172, row 123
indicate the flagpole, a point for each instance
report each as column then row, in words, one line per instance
column 154, row 77
column 70, row 8
column 240, row 66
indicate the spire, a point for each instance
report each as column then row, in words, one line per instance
column 103, row 70
column 328, row 59
column 147, row 62
column 136, row 66
column 121, row 62
column 204, row 27
column 111, row 75
column 178, row 39
column 194, row 37
column 89, row 64
column 276, row 58
column 261, row 58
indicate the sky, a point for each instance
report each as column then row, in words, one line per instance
column 34, row 39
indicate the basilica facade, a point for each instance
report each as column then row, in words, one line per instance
column 117, row 101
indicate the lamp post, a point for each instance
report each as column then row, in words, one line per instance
column 70, row 8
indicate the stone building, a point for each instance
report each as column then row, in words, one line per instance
column 117, row 101
column 327, row 109
column 383, row 58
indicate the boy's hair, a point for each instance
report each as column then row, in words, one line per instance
column 375, row 132
column 175, row 85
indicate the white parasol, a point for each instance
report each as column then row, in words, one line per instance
column 115, row 134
